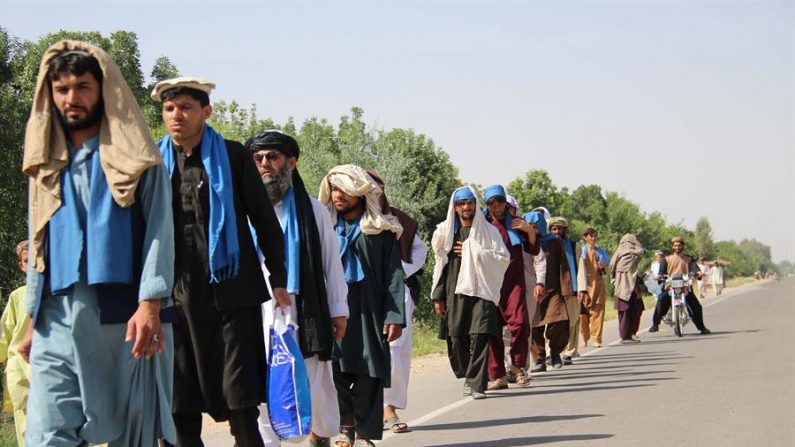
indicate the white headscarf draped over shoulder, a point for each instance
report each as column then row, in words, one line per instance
column 126, row 148
column 355, row 181
column 484, row 257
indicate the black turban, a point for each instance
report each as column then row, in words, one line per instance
column 273, row 139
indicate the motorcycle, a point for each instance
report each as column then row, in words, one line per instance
column 678, row 287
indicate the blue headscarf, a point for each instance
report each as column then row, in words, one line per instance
column 534, row 217
column 462, row 193
column 498, row 191
column 224, row 253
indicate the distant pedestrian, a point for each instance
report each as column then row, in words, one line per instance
column 13, row 326
column 627, row 286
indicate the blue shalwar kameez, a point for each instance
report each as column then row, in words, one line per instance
column 86, row 386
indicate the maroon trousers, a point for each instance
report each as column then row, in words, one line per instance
column 513, row 314
column 629, row 313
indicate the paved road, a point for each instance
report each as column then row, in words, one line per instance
column 735, row 387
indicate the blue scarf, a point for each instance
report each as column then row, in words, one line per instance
column 224, row 250
column 513, row 235
column 350, row 262
column 534, row 217
column 601, row 255
column 569, row 246
column 105, row 242
column 292, row 242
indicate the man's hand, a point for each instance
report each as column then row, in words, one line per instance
column 144, row 326
column 23, row 348
column 440, row 307
column 585, row 299
column 458, row 247
column 338, row 326
column 538, row 292
column 528, row 228
column 392, row 332
column 282, row 298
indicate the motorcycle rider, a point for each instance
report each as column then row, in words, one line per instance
column 678, row 263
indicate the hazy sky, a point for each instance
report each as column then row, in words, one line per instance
column 685, row 107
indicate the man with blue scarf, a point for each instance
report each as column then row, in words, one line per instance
column 560, row 227
column 217, row 193
column 370, row 256
column 551, row 319
column 101, row 260
column 315, row 280
column 520, row 239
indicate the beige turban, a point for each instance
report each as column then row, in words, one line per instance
column 558, row 221
column 355, row 181
column 126, row 148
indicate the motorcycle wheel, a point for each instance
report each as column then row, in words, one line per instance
column 678, row 321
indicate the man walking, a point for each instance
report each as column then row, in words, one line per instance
column 471, row 260
column 371, row 262
column 13, row 327
column 315, row 279
column 590, row 282
column 551, row 319
column 101, row 260
column 220, row 363
column 520, row 239
column 413, row 254
column 560, row 226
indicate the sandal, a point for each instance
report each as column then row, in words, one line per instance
column 396, row 425
column 346, row 436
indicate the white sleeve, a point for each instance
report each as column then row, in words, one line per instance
column 419, row 254
column 540, row 266
column 336, row 287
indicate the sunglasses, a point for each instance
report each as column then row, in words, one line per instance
column 270, row 156
column 494, row 200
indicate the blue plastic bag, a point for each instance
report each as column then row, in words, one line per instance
column 289, row 404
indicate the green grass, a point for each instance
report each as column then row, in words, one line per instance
column 8, row 437
column 425, row 340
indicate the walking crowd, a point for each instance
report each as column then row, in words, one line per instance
column 155, row 271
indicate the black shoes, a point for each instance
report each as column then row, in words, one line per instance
column 654, row 328
column 557, row 363
column 705, row 331
column 566, row 360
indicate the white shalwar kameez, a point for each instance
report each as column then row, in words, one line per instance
column 325, row 409
column 400, row 349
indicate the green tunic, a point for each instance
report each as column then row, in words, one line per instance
column 373, row 302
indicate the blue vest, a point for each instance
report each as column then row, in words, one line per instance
column 107, row 250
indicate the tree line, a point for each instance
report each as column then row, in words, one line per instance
column 419, row 175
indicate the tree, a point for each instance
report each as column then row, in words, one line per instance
column 704, row 245
column 536, row 189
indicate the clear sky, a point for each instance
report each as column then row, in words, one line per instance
column 685, row 107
